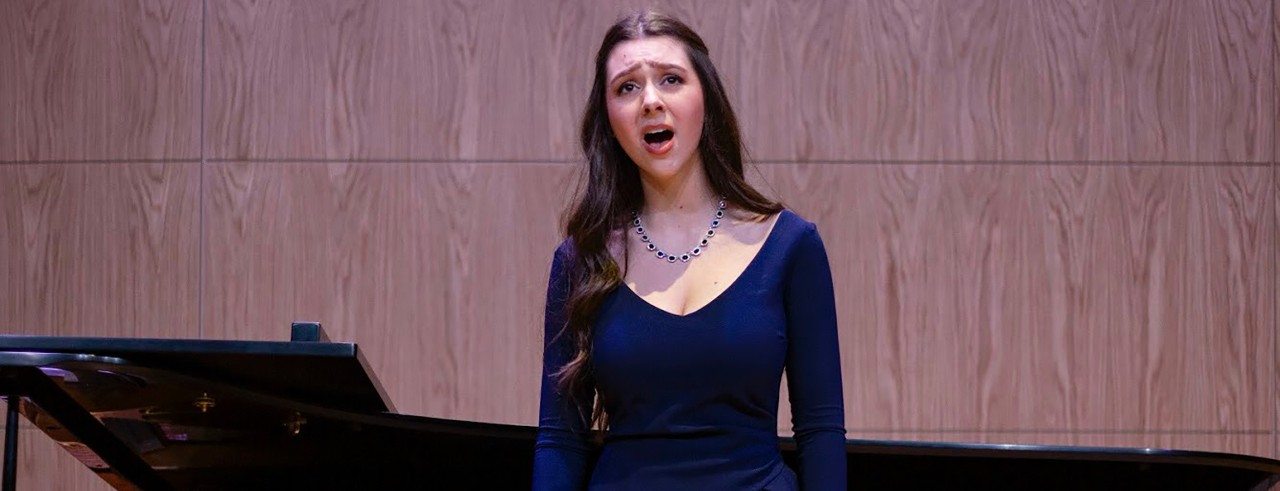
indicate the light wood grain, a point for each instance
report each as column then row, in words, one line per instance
column 1275, row 193
column 1005, row 80
column 1177, row 284
column 99, row 249
column 397, row 80
column 897, row 80
column 403, row 79
column 1048, row 297
column 438, row 271
column 1227, row 94
column 99, row 80
column 45, row 465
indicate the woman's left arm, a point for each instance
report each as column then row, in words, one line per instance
column 813, row 366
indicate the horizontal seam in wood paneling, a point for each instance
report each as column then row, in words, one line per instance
column 1152, row 163
column 576, row 162
column 389, row 161
column 101, row 161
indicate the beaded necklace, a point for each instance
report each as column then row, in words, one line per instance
column 696, row 251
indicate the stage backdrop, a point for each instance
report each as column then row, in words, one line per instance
column 1050, row 222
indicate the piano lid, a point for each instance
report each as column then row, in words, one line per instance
column 334, row 375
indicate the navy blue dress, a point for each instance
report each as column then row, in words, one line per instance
column 693, row 399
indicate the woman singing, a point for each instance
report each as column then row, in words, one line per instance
column 681, row 294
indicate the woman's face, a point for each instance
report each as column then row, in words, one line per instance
column 655, row 105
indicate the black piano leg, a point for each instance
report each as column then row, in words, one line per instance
column 11, row 445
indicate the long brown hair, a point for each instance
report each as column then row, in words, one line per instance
column 612, row 191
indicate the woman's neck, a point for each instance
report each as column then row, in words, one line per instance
column 683, row 201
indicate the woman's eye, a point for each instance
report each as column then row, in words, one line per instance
column 627, row 87
column 672, row 79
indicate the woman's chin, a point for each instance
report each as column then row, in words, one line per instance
column 664, row 170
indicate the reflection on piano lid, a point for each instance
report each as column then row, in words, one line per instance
column 192, row 414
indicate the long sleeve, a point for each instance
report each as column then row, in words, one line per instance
column 813, row 366
column 563, row 451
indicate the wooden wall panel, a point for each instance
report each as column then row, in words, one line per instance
column 45, row 465
column 396, row 80
column 1026, row 297
column 1178, row 283
column 1229, row 75
column 438, row 271
column 99, row 249
column 1005, row 80
column 112, row 80
column 406, row 80
column 1275, row 179
column 871, row 80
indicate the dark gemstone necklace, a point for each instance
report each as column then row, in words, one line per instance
column 696, row 251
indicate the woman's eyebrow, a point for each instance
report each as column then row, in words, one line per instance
column 636, row 66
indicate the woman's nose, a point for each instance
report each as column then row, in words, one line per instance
column 653, row 100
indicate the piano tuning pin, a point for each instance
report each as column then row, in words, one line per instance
column 294, row 424
column 204, row 402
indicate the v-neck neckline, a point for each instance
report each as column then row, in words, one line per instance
column 768, row 240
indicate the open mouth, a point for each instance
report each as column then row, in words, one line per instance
column 659, row 141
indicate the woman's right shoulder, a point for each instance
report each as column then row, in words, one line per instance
column 616, row 242
column 565, row 249
column 563, row 255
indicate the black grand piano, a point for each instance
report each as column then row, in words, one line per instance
column 160, row 414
